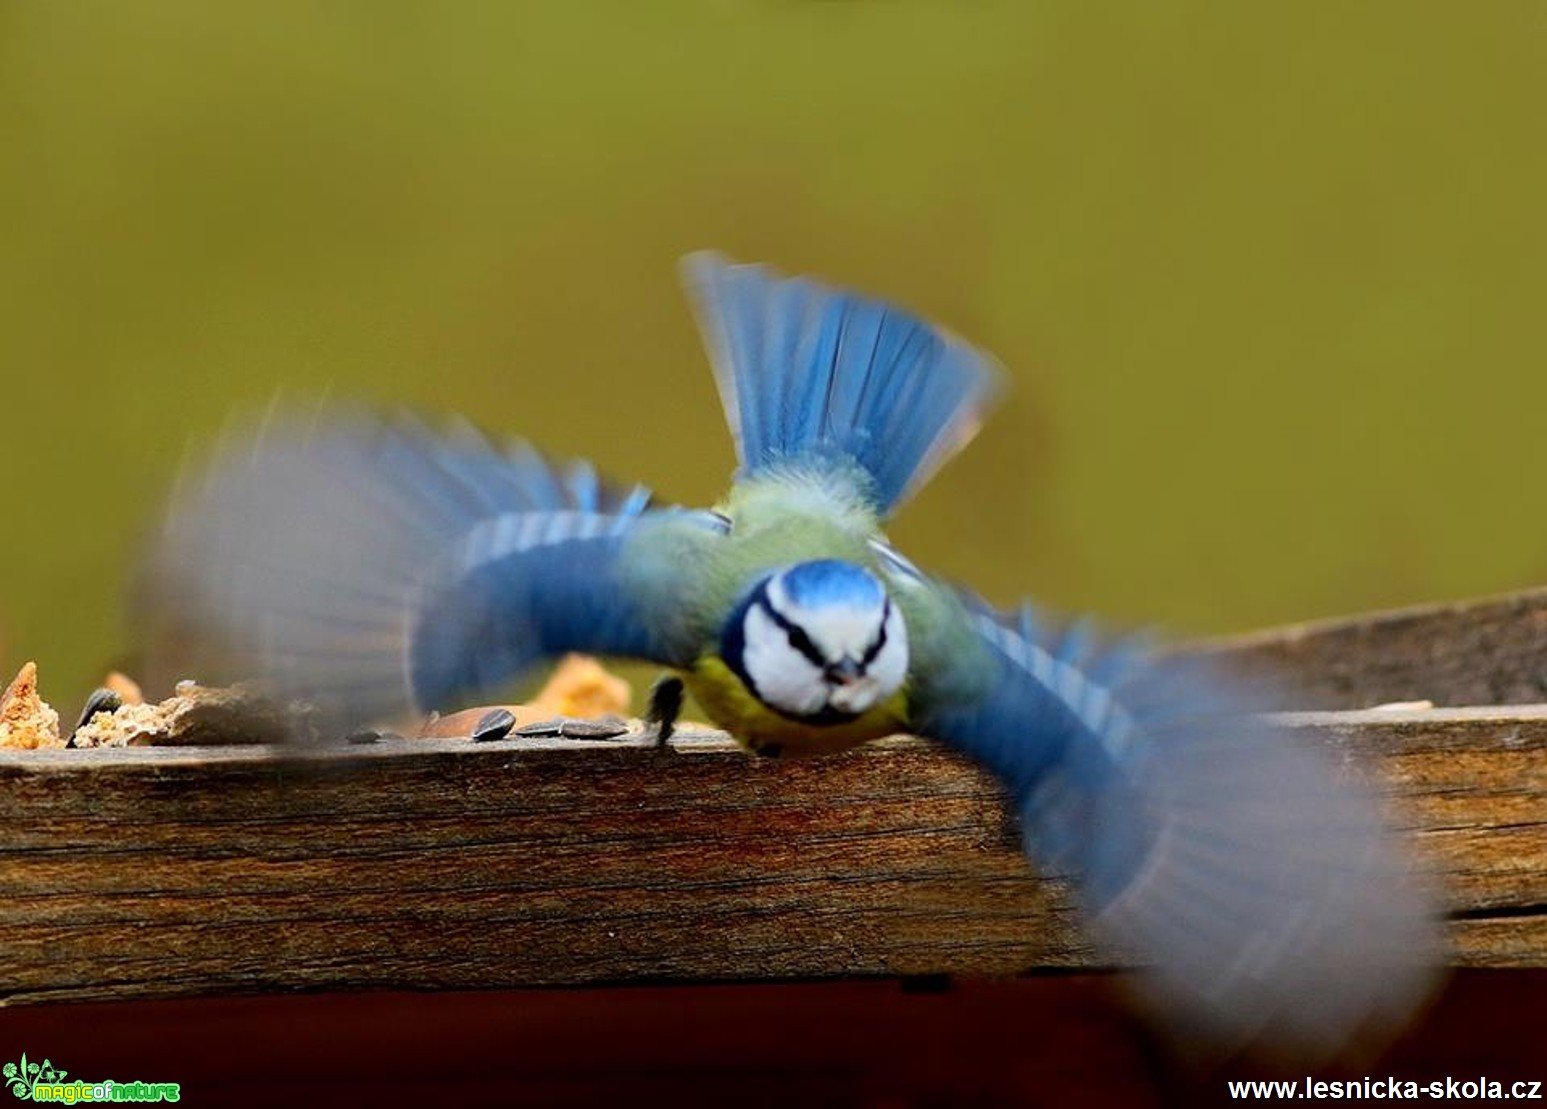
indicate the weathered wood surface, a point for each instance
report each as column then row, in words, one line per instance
column 1491, row 651
column 442, row 864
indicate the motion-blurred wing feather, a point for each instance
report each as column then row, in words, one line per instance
column 1205, row 843
column 375, row 567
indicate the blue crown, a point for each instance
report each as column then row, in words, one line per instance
column 829, row 581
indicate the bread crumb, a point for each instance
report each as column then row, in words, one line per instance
column 26, row 720
column 126, row 726
column 196, row 716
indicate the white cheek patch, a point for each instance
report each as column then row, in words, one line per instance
column 784, row 677
column 890, row 666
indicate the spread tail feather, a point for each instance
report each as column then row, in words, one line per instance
column 807, row 373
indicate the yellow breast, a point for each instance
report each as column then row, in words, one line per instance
column 732, row 706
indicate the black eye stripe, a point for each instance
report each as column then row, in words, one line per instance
column 802, row 642
column 797, row 635
column 875, row 648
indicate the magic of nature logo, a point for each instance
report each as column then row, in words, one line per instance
column 46, row 1082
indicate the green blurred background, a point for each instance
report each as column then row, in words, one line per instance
column 1269, row 278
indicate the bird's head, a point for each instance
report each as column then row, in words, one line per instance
column 818, row 641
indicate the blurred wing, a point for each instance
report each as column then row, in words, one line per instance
column 376, row 568
column 1204, row 843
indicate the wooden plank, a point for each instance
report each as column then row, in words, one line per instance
column 1480, row 652
column 440, row 864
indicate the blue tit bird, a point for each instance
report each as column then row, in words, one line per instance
column 378, row 567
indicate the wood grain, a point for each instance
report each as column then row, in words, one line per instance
column 441, row 864
column 1491, row 651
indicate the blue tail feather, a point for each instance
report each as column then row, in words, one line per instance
column 809, row 373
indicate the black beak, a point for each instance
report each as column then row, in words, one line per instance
column 843, row 672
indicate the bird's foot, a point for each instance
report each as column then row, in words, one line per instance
column 665, row 706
